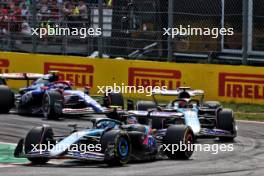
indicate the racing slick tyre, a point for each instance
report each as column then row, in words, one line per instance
column 145, row 105
column 212, row 104
column 117, row 147
column 178, row 136
column 114, row 99
column 52, row 104
column 226, row 121
column 38, row 135
column 7, row 99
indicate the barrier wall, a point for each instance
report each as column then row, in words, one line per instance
column 241, row 84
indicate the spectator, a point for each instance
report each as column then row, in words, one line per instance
column 72, row 14
column 3, row 20
column 54, row 9
column 44, row 10
column 15, row 17
column 24, row 11
column 67, row 9
column 76, row 11
column 25, row 29
column 83, row 10
column 84, row 14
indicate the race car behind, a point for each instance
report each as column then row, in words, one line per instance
column 52, row 97
column 206, row 118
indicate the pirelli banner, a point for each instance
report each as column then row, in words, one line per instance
column 241, row 84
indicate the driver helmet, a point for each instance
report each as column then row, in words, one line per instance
column 102, row 125
column 53, row 76
column 106, row 124
column 182, row 103
column 132, row 120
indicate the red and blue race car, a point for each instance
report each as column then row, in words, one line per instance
column 52, row 97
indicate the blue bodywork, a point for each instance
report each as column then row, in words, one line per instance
column 32, row 95
column 73, row 138
column 62, row 148
column 191, row 119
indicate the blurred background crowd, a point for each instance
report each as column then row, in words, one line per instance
column 18, row 13
column 134, row 29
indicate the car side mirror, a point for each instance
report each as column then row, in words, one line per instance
column 87, row 90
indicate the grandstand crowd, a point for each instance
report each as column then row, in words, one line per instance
column 16, row 15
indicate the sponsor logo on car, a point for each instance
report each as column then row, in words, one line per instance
column 4, row 64
column 237, row 85
column 154, row 77
column 81, row 75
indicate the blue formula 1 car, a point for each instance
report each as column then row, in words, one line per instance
column 109, row 140
column 206, row 118
column 52, row 97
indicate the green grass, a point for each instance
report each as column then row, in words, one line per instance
column 245, row 108
column 252, row 112
column 7, row 156
column 248, row 116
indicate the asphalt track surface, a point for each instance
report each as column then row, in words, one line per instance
column 246, row 159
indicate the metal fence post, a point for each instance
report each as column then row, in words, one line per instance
column 170, row 25
column 245, row 33
column 100, row 25
column 9, row 38
column 34, row 24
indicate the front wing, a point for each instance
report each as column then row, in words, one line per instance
column 205, row 132
column 91, row 156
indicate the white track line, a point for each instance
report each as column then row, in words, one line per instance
column 7, row 165
column 8, row 143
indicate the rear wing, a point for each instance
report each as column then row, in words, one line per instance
column 177, row 92
column 21, row 76
column 155, row 114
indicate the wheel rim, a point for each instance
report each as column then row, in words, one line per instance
column 46, row 105
column 123, row 147
column 189, row 140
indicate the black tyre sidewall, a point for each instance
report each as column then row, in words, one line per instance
column 145, row 105
column 53, row 97
column 113, row 138
column 7, row 99
column 175, row 135
column 226, row 121
column 37, row 135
